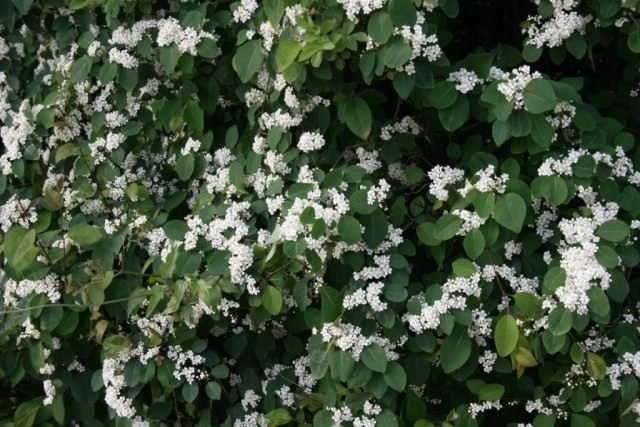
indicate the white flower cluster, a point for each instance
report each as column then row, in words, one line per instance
column 344, row 414
column 553, row 31
column 578, row 258
column 454, row 296
column 250, row 400
column 369, row 297
column 49, row 391
column 476, row 409
column 17, row 211
column 368, row 160
column 14, row 136
column 310, row 141
column 487, row 360
column 512, row 83
column 470, row 221
column 487, row 181
column 114, row 384
column 406, row 125
column 216, row 233
column 29, row 331
column 187, row 364
column 244, row 11
column 301, row 370
column 122, row 57
column 253, row 419
column 169, row 31
column 628, row 364
column 441, row 177
column 377, row 194
column 191, row 146
column 512, row 248
column 621, row 164
column 422, row 45
column 563, row 114
column 160, row 324
column 381, row 270
column 355, row 7
column 14, row 291
column 480, row 328
column 348, row 337
column 465, row 80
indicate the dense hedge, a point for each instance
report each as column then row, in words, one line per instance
column 319, row 213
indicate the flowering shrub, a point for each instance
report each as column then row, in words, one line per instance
column 319, row 213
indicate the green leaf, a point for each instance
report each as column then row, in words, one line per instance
column 80, row 69
column 633, row 41
column 456, row 115
column 175, row 229
column 114, row 344
column 519, row 124
column 19, row 248
column 443, row 95
column 107, row 72
column 402, row 12
column 607, row 256
column 85, row 234
column 539, row 96
column 185, row 166
column 462, row 267
column 80, row 4
column 380, row 27
column 525, row 358
column 286, row 53
column 376, row 226
column 528, row 304
column 455, row 350
column 553, row 279
column 395, row 377
column 426, row 234
column 560, row 321
column 596, row 366
column 318, row 357
column 506, row 335
column 67, row 150
column 491, row 392
column 248, row 60
column 169, row 56
column 349, row 229
column 613, row 230
column 404, row 83
column 541, row 131
column 374, row 358
column 578, row 420
column 278, row 417
column 341, row 364
column 552, row 188
column 213, row 390
column 598, row 301
column 396, row 53
column 194, row 116
column 500, row 132
column 190, row 391
column 46, row 117
column 330, row 303
column 208, row 48
column 510, row 212
column 474, row 244
column 272, row 299
column 447, row 226
column 26, row 412
column 357, row 116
